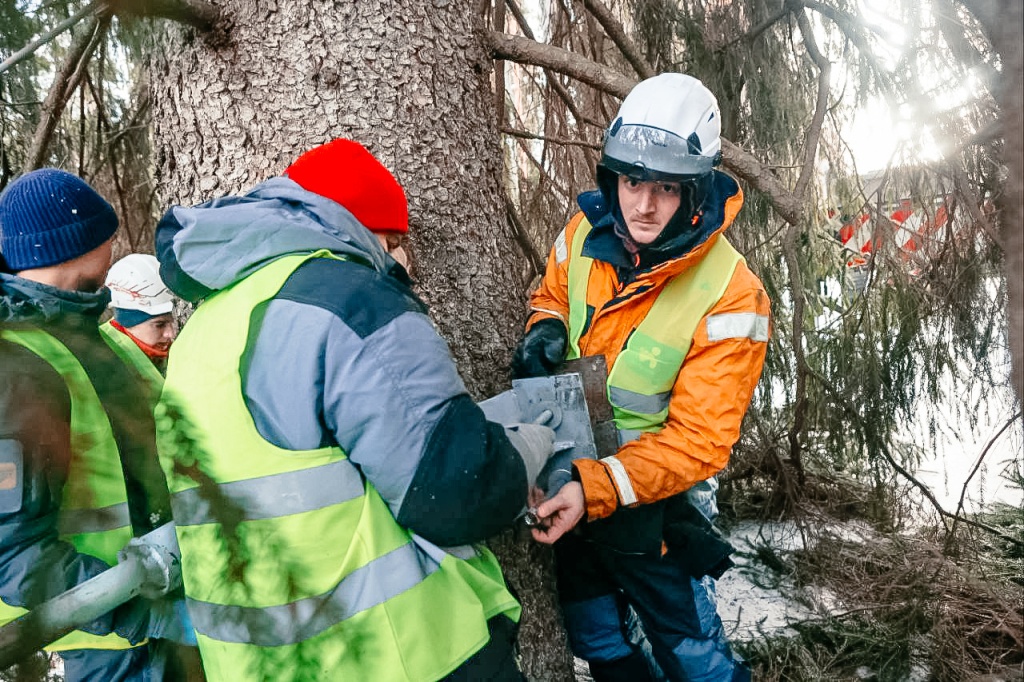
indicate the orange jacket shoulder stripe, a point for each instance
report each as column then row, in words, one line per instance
column 711, row 393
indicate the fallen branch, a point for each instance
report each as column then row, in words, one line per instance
column 977, row 465
column 854, row 415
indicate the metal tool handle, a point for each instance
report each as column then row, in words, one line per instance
column 149, row 566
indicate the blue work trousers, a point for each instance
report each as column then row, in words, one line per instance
column 604, row 591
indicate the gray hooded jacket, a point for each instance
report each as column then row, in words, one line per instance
column 346, row 354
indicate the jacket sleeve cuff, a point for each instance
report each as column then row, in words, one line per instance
column 538, row 315
column 598, row 488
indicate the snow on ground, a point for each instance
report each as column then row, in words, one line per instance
column 752, row 600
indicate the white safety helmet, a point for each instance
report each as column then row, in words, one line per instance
column 135, row 284
column 668, row 128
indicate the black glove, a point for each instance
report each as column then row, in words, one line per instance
column 541, row 351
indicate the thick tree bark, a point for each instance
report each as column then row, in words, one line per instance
column 1007, row 39
column 410, row 81
column 1001, row 22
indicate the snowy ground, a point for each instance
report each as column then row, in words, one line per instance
column 752, row 600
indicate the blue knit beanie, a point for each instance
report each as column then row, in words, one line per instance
column 129, row 318
column 49, row 217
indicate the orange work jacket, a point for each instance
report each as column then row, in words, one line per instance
column 712, row 390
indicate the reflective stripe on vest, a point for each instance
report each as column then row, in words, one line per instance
column 291, row 560
column 94, row 506
column 133, row 356
column 640, row 381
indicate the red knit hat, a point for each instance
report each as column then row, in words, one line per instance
column 345, row 172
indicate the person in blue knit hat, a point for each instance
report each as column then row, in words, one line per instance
column 74, row 426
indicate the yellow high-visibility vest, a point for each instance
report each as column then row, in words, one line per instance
column 641, row 379
column 94, row 505
column 294, row 567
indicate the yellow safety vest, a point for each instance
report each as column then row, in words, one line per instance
column 641, row 380
column 94, row 506
column 294, row 567
column 133, row 356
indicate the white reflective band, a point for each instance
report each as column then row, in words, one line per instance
column 550, row 312
column 738, row 326
column 621, row 478
column 382, row 579
column 638, row 402
column 438, row 554
column 270, row 497
column 75, row 521
column 561, row 250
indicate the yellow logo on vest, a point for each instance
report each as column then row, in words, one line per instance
column 650, row 356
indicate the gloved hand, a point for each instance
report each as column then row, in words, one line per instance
column 534, row 443
column 541, row 351
column 169, row 619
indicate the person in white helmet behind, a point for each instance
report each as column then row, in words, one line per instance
column 644, row 276
column 143, row 309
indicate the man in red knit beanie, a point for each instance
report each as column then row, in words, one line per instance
column 323, row 403
column 345, row 172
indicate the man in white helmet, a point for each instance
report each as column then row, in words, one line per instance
column 143, row 326
column 644, row 276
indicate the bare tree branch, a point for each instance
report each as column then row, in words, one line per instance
column 743, row 164
column 820, row 106
column 27, row 51
column 615, row 31
column 550, row 78
column 524, row 241
column 64, row 84
column 747, row 167
column 195, row 13
column 526, row 51
column 525, row 134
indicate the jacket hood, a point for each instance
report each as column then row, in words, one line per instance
column 23, row 300
column 206, row 248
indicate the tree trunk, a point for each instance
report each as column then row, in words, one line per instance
column 410, row 81
column 1011, row 51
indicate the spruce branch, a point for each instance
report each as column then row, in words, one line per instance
column 820, row 105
